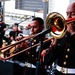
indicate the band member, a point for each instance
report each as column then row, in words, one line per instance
column 14, row 33
column 2, row 29
column 37, row 26
column 64, row 50
column 30, row 57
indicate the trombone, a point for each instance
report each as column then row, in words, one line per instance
column 56, row 25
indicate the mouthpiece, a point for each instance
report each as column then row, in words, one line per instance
column 70, row 20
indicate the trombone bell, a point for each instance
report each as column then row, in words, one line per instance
column 57, row 23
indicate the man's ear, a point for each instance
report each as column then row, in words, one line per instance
column 42, row 27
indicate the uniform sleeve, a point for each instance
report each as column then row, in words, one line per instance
column 3, row 29
column 50, row 57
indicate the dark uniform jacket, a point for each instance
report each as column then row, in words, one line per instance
column 2, row 32
column 64, row 52
column 31, row 56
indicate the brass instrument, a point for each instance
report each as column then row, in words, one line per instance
column 22, row 50
column 57, row 25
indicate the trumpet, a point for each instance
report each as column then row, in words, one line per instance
column 55, row 25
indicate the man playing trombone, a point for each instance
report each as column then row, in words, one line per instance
column 64, row 50
column 37, row 26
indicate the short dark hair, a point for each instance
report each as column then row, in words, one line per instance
column 16, row 24
column 40, row 20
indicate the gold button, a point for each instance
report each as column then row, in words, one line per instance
column 32, row 55
column 66, row 56
column 37, row 50
column 64, row 63
column 34, row 40
column 28, row 52
column 68, row 50
column 32, row 43
column 58, row 44
column 31, row 38
column 36, row 58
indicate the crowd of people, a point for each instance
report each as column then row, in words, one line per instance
column 57, row 51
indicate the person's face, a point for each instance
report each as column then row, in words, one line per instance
column 71, row 11
column 35, row 27
column 70, row 14
column 15, row 28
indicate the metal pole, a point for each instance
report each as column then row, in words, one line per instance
column 0, row 6
column 3, row 10
column 45, row 11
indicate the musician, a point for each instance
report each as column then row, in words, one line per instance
column 37, row 26
column 2, row 29
column 30, row 57
column 14, row 33
column 64, row 49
